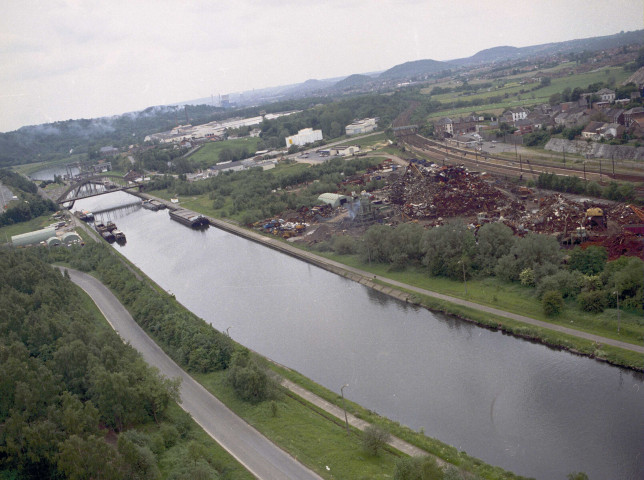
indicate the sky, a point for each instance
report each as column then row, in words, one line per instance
column 72, row 59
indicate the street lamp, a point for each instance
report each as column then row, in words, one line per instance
column 616, row 292
column 346, row 420
column 464, row 279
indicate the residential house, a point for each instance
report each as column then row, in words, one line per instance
column 447, row 127
column 606, row 95
column 524, row 126
column 615, row 115
column 592, row 130
column 599, row 130
column 633, row 115
column 572, row 118
column 444, row 127
column 109, row 151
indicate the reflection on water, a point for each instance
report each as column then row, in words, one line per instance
column 531, row 409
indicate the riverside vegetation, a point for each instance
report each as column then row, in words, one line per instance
column 532, row 275
column 75, row 402
column 243, row 381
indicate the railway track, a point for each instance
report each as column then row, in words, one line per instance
column 509, row 168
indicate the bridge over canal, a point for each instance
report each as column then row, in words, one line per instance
column 94, row 185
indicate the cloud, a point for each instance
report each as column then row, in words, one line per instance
column 71, row 58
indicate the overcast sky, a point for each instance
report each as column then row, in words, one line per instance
column 85, row 59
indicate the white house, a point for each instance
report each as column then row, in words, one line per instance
column 606, row 95
column 304, row 136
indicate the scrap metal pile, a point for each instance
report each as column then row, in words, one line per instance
column 555, row 214
column 295, row 223
column 430, row 192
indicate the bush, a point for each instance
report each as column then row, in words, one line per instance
column 374, row 438
column 527, row 277
column 421, row 468
column 593, row 302
column 248, row 378
column 568, row 284
column 552, row 302
column 344, row 245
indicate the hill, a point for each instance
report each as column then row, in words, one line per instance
column 352, row 81
column 504, row 53
column 414, row 68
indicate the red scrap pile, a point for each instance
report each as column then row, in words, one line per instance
column 445, row 192
column 624, row 215
column 626, row 243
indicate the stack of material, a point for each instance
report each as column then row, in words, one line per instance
column 452, row 191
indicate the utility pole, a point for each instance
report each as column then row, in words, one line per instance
column 346, row 420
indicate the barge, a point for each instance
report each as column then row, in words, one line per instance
column 119, row 236
column 148, row 205
column 107, row 235
column 84, row 215
column 188, row 218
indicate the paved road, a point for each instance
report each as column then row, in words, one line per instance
column 262, row 458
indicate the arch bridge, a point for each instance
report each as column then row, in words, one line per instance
column 94, row 185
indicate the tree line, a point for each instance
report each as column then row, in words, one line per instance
column 75, row 401
column 454, row 251
column 254, row 194
column 29, row 204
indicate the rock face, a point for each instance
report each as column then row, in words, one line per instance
column 597, row 150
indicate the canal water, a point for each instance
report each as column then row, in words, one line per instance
column 528, row 408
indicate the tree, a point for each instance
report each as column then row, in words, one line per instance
column 374, row 439
column 248, row 378
column 139, row 461
column 447, row 249
column 84, row 459
column 541, row 253
column 589, row 261
column 494, row 241
column 553, row 303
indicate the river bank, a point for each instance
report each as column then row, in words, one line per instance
column 609, row 350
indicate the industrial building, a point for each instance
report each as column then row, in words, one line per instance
column 365, row 125
column 46, row 235
column 344, row 150
column 333, row 199
column 304, row 136
column 33, row 238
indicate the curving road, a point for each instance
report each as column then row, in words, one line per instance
column 255, row 452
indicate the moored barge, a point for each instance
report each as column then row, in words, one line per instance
column 188, row 218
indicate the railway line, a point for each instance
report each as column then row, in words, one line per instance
column 442, row 154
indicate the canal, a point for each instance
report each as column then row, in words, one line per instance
column 523, row 406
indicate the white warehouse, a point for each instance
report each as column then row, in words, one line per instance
column 304, row 136
column 365, row 125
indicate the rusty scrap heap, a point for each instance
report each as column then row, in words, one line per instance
column 450, row 191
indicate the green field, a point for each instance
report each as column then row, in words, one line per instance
column 529, row 97
column 23, row 227
column 208, row 155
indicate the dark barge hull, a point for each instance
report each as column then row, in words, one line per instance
column 188, row 218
